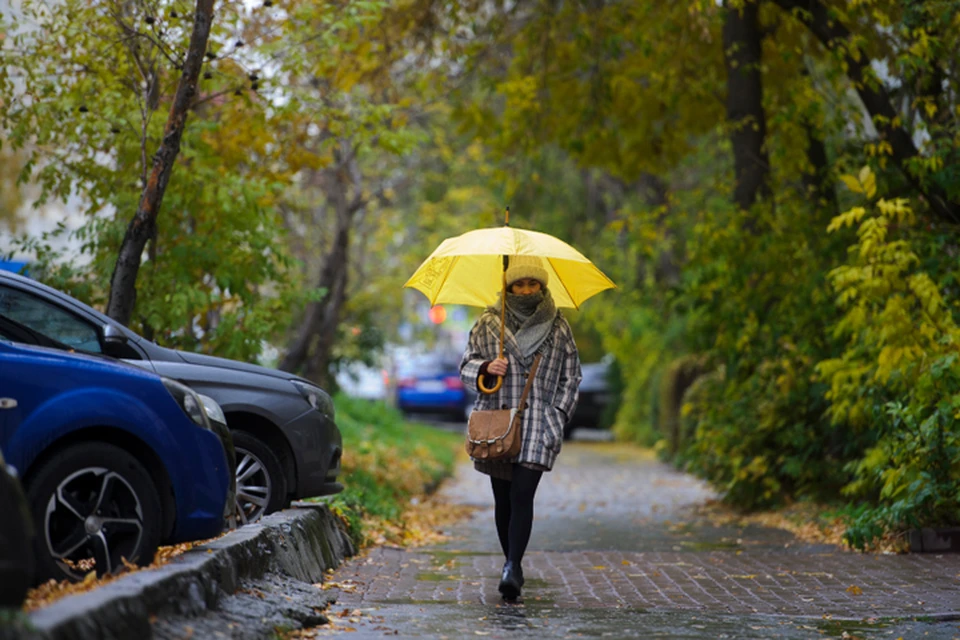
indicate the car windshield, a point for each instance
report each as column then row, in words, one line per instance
column 428, row 366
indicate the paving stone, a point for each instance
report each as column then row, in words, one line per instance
column 618, row 534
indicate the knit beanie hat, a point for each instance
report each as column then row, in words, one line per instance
column 526, row 267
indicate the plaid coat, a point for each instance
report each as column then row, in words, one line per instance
column 553, row 395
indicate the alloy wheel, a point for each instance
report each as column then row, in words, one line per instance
column 93, row 521
column 253, row 487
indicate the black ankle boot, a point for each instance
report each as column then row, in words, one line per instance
column 519, row 571
column 510, row 581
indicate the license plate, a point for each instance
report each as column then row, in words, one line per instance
column 431, row 386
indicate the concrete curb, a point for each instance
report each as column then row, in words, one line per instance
column 301, row 542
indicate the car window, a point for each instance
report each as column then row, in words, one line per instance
column 428, row 366
column 48, row 319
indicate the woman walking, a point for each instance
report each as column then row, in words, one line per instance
column 533, row 326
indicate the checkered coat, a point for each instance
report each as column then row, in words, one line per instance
column 553, row 395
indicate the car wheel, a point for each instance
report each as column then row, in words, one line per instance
column 568, row 432
column 261, row 485
column 16, row 542
column 95, row 508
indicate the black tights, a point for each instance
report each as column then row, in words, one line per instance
column 514, row 510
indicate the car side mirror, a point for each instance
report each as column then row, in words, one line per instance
column 113, row 335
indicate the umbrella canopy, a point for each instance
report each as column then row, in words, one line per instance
column 468, row 269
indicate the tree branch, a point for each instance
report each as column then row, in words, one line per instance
column 836, row 37
column 143, row 226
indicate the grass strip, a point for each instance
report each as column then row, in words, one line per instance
column 387, row 462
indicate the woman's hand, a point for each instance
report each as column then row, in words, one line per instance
column 497, row 367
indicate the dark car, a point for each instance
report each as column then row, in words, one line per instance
column 596, row 398
column 287, row 443
column 16, row 539
column 430, row 383
column 115, row 460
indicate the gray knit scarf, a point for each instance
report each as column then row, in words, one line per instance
column 529, row 318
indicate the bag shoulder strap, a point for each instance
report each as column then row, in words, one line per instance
column 526, row 387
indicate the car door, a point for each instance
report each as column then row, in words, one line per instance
column 9, row 412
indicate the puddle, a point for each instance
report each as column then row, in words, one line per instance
column 536, row 620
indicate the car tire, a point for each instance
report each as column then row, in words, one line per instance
column 567, row 432
column 16, row 542
column 261, row 484
column 93, row 501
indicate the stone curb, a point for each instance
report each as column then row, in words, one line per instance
column 301, row 542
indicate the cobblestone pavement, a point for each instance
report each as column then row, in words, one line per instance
column 617, row 551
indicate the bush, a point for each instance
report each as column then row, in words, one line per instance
column 897, row 380
column 679, row 375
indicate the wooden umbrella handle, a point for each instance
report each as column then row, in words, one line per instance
column 503, row 306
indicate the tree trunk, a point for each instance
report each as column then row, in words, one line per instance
column 335, row 273
column 310, row 352
column 831, row 33
column 748, row 126
column 143, row 226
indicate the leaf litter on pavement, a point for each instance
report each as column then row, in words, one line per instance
column 808, row 522
column 52, row 590
column 422, row 523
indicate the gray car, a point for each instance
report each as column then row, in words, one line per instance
column 287, row 444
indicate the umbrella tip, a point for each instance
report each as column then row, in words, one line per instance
column 506, row 221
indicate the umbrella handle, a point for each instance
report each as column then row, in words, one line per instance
column 494, row 389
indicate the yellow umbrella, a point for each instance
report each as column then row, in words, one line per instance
column 470, row 269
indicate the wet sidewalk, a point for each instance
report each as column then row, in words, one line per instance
column 618, row 551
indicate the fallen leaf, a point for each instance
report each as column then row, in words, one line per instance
column 854, row 590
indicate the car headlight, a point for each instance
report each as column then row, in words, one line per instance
column 188, row 400
column 213, row 410
column 316, row 398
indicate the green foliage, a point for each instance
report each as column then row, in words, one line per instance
column 386, row 462
column 897, row 377
column 86, row 106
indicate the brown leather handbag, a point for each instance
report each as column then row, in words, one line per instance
column 495, row 434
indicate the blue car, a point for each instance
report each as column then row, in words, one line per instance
column 114, row 460
column 430, row 383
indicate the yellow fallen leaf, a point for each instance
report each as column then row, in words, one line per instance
column 855, row 590
column 599, row 567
